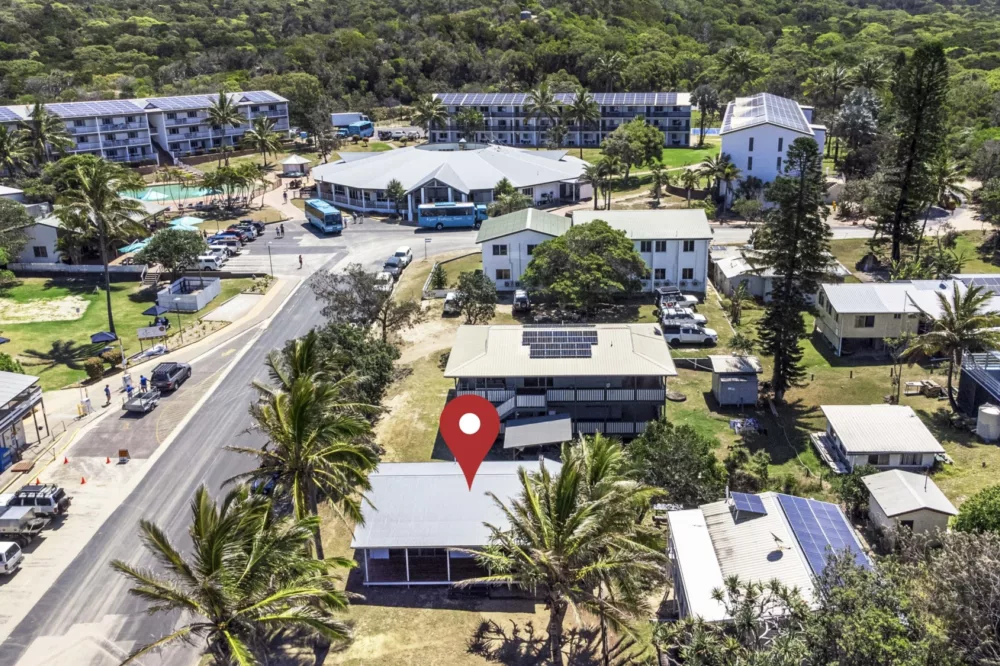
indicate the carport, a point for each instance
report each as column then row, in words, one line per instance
column 538, row 431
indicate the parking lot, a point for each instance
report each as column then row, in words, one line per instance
column 283, row 258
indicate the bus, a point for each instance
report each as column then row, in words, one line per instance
column 324, row 217
column 362, row 128
column 457, row 214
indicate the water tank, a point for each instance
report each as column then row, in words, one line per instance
column 988, row 423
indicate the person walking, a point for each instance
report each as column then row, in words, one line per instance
column 300, row 261
column 142, row 383
column 284, row 195
column 107, row 395
column 282, row 229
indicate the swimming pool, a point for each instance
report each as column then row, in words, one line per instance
column 172, row 192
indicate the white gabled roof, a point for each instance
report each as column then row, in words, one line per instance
column 765, row 109
column 910, row 296
column 697, row 563
column 735, row 364
column 622, row 350
column 899, row 492
column 667, row 224
column 429, row 504
column 880, row 429
column 463, row 170
column 295, row 159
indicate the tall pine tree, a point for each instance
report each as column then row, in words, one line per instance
column 795, row 243
column 919, row 116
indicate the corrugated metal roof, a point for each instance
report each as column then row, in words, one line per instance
column 522, row 220
column 463, row 170
column 909, row 296
column 538, row 431
column 765, row 109
column 697, row 563
column 429, row 505
column 607, row 99
column 900, row 492
column 880, row 429
column 689, row 224
column 622, row 350
column 736, row 364
column 13, row 384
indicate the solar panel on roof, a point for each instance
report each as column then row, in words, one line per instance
column 102, row 108
column 748, row 503
column 6, row 115
column 184, row 102
column 821, row 529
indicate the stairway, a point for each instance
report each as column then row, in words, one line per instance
column 151, row 278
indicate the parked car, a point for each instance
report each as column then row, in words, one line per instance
column 676, row 333
column 47, row 500
column 10, row 557
column 221, row 252
column 168, row 376
column 672, row 296
column 248, row 227
column 405, row 255
column 452, row 306
column 245, row 235
column 398, row 134
column 231, row 243
column 209, row 262
column 521, row 302
column 259, row 227
column 241, row 239
column 384, row 135
column 682, row 314
column 413, row 136
column 383, row 281
column 393, row 266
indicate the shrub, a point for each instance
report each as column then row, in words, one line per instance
column 439, row 277
column 981, row 512
column 9, row 364
column 94, row 367
column 112, row 357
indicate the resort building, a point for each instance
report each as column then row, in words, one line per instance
column 756, row 538
column 883, row 436
column 417, row 514
column 579, row 379
column 673, row 243
column 507, row 121
column 757, row 130
column 154, row 130
column 448, row 173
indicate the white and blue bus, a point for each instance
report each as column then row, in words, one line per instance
column 451, row 214
column 324, row 217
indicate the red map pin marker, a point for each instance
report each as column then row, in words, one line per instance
column 469, row 425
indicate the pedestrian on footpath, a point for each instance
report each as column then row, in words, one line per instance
column 300, row 261
column 142, row 383
column 128, row 391
column 284, row 195
column 107, row 395
column 282, row 229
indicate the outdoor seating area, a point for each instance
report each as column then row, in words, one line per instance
column 189, row 294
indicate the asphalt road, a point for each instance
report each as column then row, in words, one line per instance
column 87, row 610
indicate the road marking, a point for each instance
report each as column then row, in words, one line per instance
column 229, row 352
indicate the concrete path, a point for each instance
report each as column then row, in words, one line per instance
column 234, row 308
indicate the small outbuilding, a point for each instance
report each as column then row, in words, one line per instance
column 295, row 165
column 734, row 379
column 905, row 499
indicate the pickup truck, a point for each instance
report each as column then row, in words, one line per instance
column 143, row 402
column 168, row 376
column 21, row 524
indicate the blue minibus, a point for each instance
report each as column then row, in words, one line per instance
column 451, row 214
column 323, row 216
column 362, row 128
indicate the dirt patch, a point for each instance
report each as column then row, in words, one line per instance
column 67, row 308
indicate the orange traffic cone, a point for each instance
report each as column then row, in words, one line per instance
column 107, row 461
column 38, row 481
column 82, row 481
column 65, row 461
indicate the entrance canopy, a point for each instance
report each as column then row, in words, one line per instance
column 538, row 431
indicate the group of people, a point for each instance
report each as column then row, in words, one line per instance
column 129, row 389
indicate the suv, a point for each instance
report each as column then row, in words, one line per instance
column 405, row 255
column 521, row 302
column 671, row 296
column 681, row 315
column 168, row 376
column 383, row 281
column 257, row 226
column 677, row 333
column 47, row 500
column 10, row 557
column 393, row 266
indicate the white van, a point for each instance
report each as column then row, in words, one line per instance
column 10, row 557
column 452, row 306
column 209, row 262
column 220, row 252
column 404, row 255
column 232, row 244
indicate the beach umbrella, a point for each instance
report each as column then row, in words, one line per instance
column 183, row 227
column 155, row 310
column 134, row 246
column 103, row 336
column 186, row 221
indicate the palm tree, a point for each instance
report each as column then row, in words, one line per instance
column 690, row 179
column 262, row 137
column 712, row 168
column 660, row 179
column 608, row 68
column 316, row 450
column 739, row 296
column 14, row 151
column 947, row 179
column 396, row 193
column 44, row 132
column 609, row 166
column 428, row 113
column 730, row 172
column 870, row 73
column 508, row 203
column 963, row 326
column 830, row 81
column 707, row 99
column 541, row 103
column 581, row 112
column 592, row 176
column 99, row 198
column 740, row 65
column 221, row 113
column 248, row 575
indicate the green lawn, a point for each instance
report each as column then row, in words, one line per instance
column 273, row 161
column 455, row 267
column 55, row 350
column 671, row 157
column 849, row 251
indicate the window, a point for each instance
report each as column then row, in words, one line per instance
column 531, row 249
column 40, row 251
column 897, row 316
column 661, row 246
column 864, row 321
column 822, row 299
column 781, row 143
column 687, row 273
column 528, row 191
column 171, row 116
column 133, row 135
column 272, row 107
column 750, row 148
column 78, row 123
column 499, row 250
column 910, row 459
column 503, row 273
column 750, row 163
column 829, row 308
column 878, row 459
column 645, row 246
column 660, row 274
column 173, row 130
column 779, row 164
column 689, row 246
column 192, row 114
column 538, row 382
column 378, row 554
column 908, row 524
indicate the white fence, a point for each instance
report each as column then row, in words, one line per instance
column 77, row 269
column 429, row 293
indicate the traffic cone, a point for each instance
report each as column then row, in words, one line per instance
column 65, row 461
column 107, row 461
column 38, row 481
column 82, row 481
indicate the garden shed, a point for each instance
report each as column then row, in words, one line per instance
column 734, row 379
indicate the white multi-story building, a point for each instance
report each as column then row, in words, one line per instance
column 673, row 243
column 131, row 130
column 757, row 131
column 507, row 122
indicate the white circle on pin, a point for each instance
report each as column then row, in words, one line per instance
column 469, row 424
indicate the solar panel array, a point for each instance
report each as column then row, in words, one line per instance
column 261, row 97
column 988, row 283
column 821, row 530
column 764, row 108
column 559, row 343
column 747, row 503
column 185, row 102
column 117, row 107
column 6, row 115
column 607, row 99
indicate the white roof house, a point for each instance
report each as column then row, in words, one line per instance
column 670, row 224
column 765, row 109
column 899, row 492
column 882, row 428
column 757, row 538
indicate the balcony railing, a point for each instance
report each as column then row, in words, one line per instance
column 82, row 129
column 590, row 395
column 268, row 114
column 195, row 135
column 493, row 395
column 184, row 120
column 90, row 145
column 112, row 127
column 126, row 142
column 610, row 427
column 984, row 369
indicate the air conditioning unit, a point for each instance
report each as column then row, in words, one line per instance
column 684, row 283
column 658, row 283
column 694, row 282
column 517, row 283
column 506, row 283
